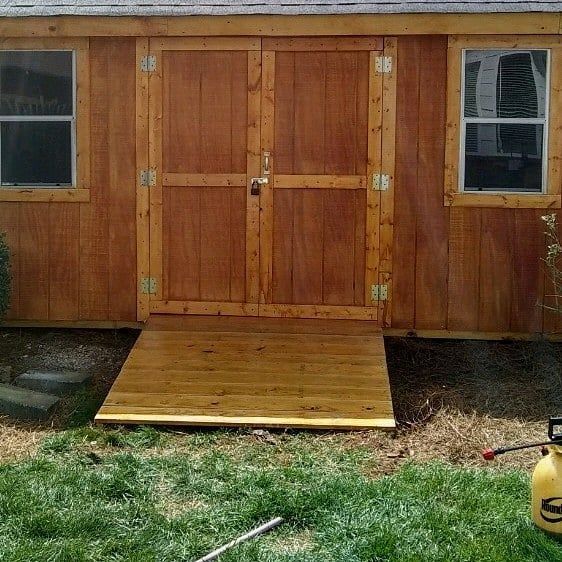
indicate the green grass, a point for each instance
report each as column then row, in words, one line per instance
column 93, row 494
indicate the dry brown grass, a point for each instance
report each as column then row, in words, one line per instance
column 452, row 398
column 20, row 440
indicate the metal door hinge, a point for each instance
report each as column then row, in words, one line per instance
column 379, row 292
column 148, row 286
column 148, row 63
column 383, row 65
column 381, row 182
column 147, row 178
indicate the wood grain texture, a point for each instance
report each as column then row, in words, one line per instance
column 388, row 166
column 464, row 269
column 432, row 218
column 253, row 170
column 108, row 223
column 34, row 261
column 374, row 166
column 269, row 102
column 207, row 220
column 528, row 278
column 69, row 263
column 406, row 182
column 121, row 128
column 215, row 378
column 323, row 113
column 10, row 227
column 64, row 260
column 496, row 270
column 142, row 163
column 47, row 28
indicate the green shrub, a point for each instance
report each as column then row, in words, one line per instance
column 4, row 276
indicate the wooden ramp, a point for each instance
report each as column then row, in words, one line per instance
column 254, row 372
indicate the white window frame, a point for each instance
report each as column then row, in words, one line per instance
column 48, row 119
column 544, row 121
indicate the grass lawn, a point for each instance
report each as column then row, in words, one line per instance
column 143, row 495
column 73, row 492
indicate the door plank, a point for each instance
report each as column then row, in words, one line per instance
column 308, row 242
column 338, row 245
column 266, row 196
column 310, row 113
column 253, row 169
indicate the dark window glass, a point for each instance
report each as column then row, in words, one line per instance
column 36, row 152
column 471, row 80
column 36, row 83
column 503, row 157
column 505, row 84
column 516, row 89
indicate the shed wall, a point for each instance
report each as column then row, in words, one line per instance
column 77, row 261
column 460, row 269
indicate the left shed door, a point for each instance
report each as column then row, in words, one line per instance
column 205, row 148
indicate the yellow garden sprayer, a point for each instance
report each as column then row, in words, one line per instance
column 546, row 488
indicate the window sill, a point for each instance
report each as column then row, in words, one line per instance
column 45, row 195
column 507, row 201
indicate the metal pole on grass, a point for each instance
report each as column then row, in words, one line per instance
column 256, row 532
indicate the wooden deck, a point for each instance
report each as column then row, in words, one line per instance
column 254, row 372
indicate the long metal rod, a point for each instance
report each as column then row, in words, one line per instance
column 258, row 531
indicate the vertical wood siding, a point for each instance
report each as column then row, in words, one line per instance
column 454, row 268
column 77, row 261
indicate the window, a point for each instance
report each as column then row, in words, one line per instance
column 37, row 118
column 43, row 121
column 501, row 118
column 504, row 120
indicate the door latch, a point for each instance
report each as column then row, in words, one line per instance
column 256, row 185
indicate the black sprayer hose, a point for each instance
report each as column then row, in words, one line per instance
column 490, row 454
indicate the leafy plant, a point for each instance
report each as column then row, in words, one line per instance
column 553, row 262
column 5, row 278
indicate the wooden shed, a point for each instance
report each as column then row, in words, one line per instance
column 267, row 186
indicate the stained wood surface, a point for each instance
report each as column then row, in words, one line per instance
column 76, row 261
column 321, row 117
column 289, row 374
column 281, row 25
column 457, row 269
column 204, row 162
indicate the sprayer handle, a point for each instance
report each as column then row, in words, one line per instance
column 489, row 454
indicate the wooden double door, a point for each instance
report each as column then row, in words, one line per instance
column 265, row 153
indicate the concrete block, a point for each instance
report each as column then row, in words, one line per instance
column 53, row 382
column 25, row 404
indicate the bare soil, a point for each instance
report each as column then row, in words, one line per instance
column 451, row 397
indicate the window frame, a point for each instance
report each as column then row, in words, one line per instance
column 79, row 191
column 454, row 192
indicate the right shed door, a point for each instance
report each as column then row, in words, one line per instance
column 320, row 211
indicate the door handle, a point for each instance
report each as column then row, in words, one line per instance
column 256, row 185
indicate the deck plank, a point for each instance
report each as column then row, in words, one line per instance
column 312, row 375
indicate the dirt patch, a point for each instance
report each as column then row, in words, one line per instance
column 99, row 352
column 451, row 398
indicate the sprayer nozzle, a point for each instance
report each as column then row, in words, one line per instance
column 489, row 454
